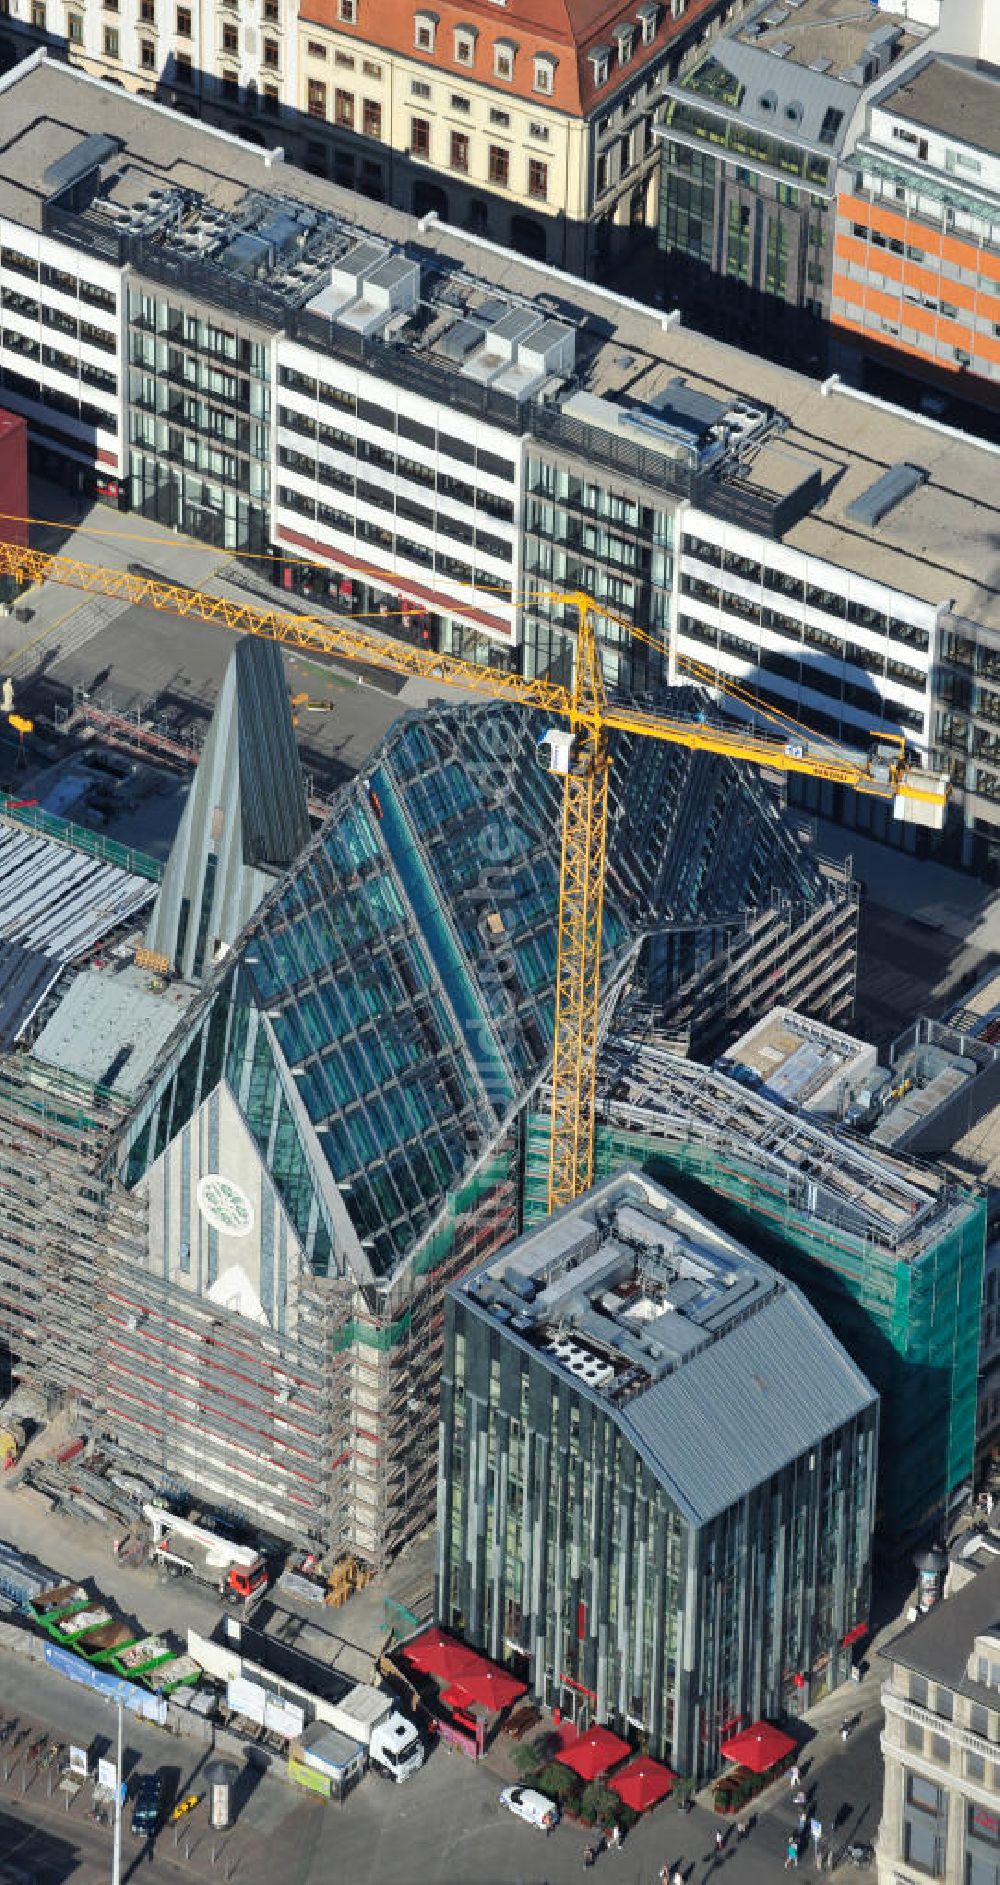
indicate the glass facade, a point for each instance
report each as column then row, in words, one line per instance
column 392, row 1003
column 199, row 421
column 562, row 1552
column 584, row 532
column 913, row 1326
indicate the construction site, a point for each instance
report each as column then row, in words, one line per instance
column 889, row 1250
column 292, row 1102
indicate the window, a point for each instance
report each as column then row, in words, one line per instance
column 271, row 54
column 38, row 20
column 182, row 68
column 371, row 118
column 272, row 100
column 147, row 55
column 74, row 28
column 371, row 70
column 539, row 131
column 343, row 109
column 465, row 45
column 499, row 165
column 625, row 41
column 230, row 39
column 347, row 11
column 147, row 12
column 231, row 87
column 649, row 20
column 315, row 49
column 503, row 59
column 271, row 13
column 184, row 22
column 538, row 180
column 345, row 60
column 545, row 67
column 110, row 37
column 316, row 98
column 420, row 137
column 500, row 119
column 420, row 89
column 425, row 31
column 458, row 103
column 460, row 151
column 600, row 59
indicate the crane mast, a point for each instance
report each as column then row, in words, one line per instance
column 578, row 751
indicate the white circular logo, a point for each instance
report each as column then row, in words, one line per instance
column 224, row 1205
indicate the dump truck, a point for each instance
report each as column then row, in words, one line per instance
column 391, row 1740
column 237, row 1572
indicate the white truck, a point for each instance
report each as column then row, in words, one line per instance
column 370, row 1716
column 237, row 1572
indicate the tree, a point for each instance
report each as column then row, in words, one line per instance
column 598, row 1803
column 526, row 1762
column 562, row 1784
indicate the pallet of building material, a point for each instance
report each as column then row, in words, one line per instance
column 305, row 1589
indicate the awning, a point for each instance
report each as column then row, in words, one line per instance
column 642, row 1783
column 758, row 1747
column 594, row 1752
column 445, row 1657
column 488, row 1687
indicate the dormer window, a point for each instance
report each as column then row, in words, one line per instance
column 600, row 59
column 347, row 12
column 649, row 19
column 465, row 45
column 425, row 27
column 504, row 51
column 624, row 40
column 545, row 73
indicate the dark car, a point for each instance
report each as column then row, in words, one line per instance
column 148, row 1809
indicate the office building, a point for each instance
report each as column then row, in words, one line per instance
column 889, row 1251
column 917, row 250
column 642, row 1502
column 443, row 431
column 941, row 1742
column 751, row 137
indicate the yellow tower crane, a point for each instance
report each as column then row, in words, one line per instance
column 576, row 748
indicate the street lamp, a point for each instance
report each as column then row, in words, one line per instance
column 116, row 1849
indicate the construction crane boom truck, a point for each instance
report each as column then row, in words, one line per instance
column 237, row 1572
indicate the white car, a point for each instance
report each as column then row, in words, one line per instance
column 531, row 1806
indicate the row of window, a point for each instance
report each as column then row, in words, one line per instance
column 461, row 450
column 440, row 562
column 60, row 322
column 498, row 160
column 797, row 589
column 30, row 349
column 44, row 394
column 499, row 119
column 345, row 114
column 382, row 497
column 803, row 673
column 12, row 261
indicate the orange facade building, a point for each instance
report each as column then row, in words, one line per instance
column 917, row 242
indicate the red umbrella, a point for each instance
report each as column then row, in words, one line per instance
column 594, row 1752
column 493, row 1688
column 758, row 1747
column 435, row 1654
column 642, row 1783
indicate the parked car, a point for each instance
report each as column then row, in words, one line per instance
column 148, row 1809
column 534, row 1807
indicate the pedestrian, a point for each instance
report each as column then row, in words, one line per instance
column 741, row 1831
column 616, row 1836
column 793, row 1775
column 792, row 1857
column 802, row 1823
column 845, row 1728
column 677, row 1877
column 720, row 1840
